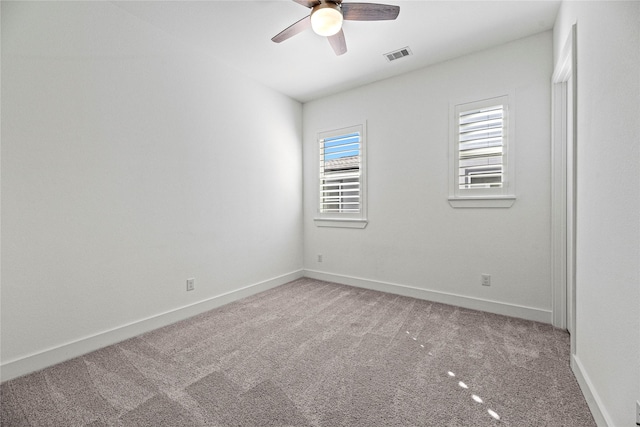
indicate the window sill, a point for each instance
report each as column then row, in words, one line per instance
column 340, row 222
column 482, row 202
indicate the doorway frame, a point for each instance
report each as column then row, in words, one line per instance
column 563, row 239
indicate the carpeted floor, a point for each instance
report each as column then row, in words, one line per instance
column 312, row 353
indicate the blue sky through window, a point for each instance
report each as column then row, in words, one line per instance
column 342, row 146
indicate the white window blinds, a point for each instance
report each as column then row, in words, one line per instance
column 340, row 173
column 481, row 135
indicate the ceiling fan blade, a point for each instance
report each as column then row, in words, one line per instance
column 338, row 43
column 292, row 30
column 369, row 11
column 308, row 3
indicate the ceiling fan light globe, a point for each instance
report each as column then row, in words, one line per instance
column 326, row 20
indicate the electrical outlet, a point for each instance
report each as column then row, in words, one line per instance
column 191, row 284
column 486, row 280
column 638, row 412
column 319, row 257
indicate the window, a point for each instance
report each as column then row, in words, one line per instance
column 341, row 183
column 482, row 155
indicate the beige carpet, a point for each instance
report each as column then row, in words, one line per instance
column 312, row 353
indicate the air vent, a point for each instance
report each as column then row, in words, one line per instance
column 397, row 54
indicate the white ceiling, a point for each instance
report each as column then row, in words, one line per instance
column 305, row 67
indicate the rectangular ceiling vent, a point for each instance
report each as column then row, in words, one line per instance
column 397, row 54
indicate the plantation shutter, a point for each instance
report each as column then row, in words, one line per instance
column 340, row 173
column 481, row 134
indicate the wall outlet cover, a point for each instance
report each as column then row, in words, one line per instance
column 486, row 280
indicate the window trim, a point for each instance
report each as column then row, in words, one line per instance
column 503, row 197
column 343, row 219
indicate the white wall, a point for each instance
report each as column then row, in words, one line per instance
column 131, row 162
column 607, row 359
column 414, row 238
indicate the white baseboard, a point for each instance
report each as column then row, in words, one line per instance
column 512, row 310
column 600, row 415
column 35, row 362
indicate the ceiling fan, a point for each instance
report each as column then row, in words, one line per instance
column 327, row 15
